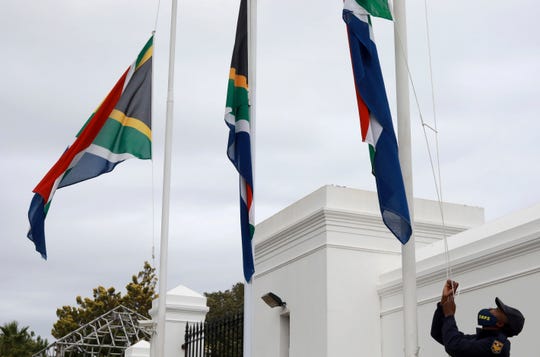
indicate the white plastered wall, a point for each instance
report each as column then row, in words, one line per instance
column 323, row 255
column 500, row 258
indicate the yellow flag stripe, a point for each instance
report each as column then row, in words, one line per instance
column 131, row 122
column 146, row 56
column 239, row 80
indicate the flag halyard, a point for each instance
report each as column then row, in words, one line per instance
column 119, row 129
column 376, row 121
column 237, row 118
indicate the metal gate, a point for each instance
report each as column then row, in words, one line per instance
column 223, row 338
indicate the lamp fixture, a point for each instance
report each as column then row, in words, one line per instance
column 273, row 300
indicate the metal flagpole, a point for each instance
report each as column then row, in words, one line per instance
column 252, row 58
column 164, row 245
column 248, row 319
column 408, row 254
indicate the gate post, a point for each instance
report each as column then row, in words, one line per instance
column 140, row 349
column 183, row 305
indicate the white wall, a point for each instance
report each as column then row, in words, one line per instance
column 353, row 313
column 302, row 285
column 183, row 306
column 500, row 258
column 140, row 349
column 323, row 255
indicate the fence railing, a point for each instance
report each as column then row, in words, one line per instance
column 223, row 338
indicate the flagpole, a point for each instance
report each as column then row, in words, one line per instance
column 164, row 246
column 252, row 58
column 408, row 254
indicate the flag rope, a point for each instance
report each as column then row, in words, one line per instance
column 433, row 104
column 153, row 166
column 436, row 172
column 154, row 200
column 157, row 15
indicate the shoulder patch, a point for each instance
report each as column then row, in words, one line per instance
column 497, row 347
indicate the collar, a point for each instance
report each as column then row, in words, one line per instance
column 480, row 332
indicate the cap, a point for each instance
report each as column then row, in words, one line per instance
column 514, row 316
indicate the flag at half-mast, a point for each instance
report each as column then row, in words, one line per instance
column 237, row 118
column 375, row 118
column 119, row 129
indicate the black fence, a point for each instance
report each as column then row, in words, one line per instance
column 223, row 338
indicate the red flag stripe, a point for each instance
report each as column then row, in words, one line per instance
column 44, row 187
column 363, row 110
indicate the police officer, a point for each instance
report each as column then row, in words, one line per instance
column 491, row 339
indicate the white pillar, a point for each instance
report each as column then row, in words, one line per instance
column 183, row 305
column 140, row 349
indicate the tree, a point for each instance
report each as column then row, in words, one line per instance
column 71, row 318
column 141, row 291
column 139, row 295
column 225, row 303
column 223, row 324
column 15, row 342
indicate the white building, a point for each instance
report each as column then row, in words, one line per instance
column 337, row 267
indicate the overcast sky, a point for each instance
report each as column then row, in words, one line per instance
column 61, row 57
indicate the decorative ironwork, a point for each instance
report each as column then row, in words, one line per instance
column 108, row 335
column 223, row 338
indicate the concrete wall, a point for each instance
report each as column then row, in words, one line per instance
column 140, row 349
column 323, row 255
column 300, row 285
column 500, row 258
column 183, row 305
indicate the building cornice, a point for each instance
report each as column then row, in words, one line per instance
column 468, row 289
column 330, row 228
column 467, row 263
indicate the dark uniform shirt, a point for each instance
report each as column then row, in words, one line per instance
column 484, row 343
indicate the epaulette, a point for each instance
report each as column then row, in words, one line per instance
column 498, row 344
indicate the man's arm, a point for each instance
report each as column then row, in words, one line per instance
column 436, row 324
column 449, row 289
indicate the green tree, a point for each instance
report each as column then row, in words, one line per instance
column 141, row 291
column 225, row 303
column 15, row 342
column 139, row 295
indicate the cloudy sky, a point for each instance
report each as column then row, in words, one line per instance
column 61, row 57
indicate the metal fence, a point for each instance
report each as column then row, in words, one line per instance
column 223, row 338
column 107, row 335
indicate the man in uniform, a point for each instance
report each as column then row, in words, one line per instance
column 491, row 339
